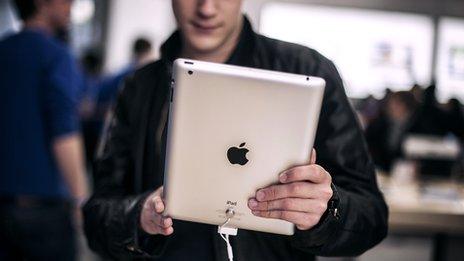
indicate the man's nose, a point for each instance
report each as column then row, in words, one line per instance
column 207, row 8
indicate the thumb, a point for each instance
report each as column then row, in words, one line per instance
column 312, row 159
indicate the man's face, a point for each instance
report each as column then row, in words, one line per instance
column 58, row 13
column 207, row 24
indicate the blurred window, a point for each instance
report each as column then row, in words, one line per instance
column 372, row 49
column 450, row 60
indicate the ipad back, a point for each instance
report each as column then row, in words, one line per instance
column 232, row 130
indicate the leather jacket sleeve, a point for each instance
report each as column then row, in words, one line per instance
column 342, row 151
column 111, row 216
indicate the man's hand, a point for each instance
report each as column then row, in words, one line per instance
column 300, row 198
column 152, row 220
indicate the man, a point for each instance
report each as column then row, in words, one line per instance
column 108, row 88
column 41, row 160
column 386, row 133
column 123, row 219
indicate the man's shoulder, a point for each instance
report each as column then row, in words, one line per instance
column 149, row 71
column 47, row 47
column 42, row 42
column 294, row 57
column 36, row 47
column 287, row 47
column 141, row 80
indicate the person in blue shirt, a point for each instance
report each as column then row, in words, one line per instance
column 106, row 90
column 42, row 175
column 142, row 54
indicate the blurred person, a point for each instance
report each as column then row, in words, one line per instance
column 142, row 54
column 42, row 180
column 104, row 91
column 455, row 115
column 91, row 66
column 384, row 100
column 437, row 119
column 90, row 115
column 385, row 134
column 431, row 119
column 369, row 109
column 418, row 92
column 123, row 218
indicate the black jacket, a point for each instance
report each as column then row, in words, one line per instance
column 131, row 165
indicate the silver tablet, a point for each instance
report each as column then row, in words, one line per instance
column 231, row 131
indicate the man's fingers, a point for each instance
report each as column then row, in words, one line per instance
column 313, row 173
column 151, row 218
column 154, row 229
column 289, row 204
column 302, row 220
column 292, row 190
column 312, row 159
column 161, row 221
column 167, row 231
column 166, row 222
column 157, row 223
column 157, row 204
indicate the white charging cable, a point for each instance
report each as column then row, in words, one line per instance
column 224, row 232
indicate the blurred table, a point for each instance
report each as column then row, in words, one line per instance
column 425, row 208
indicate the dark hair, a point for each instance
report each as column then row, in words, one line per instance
column 141, row 46
column 25, row 8
column 92, row 61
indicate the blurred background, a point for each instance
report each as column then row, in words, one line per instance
column 402, row 62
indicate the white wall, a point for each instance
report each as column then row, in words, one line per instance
column 450, row 63
column 153, row 19
column 373, row 50
column 130, row 19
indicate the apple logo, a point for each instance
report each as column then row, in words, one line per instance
column 237, row 155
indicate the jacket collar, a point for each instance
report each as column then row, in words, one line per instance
column 242, row 54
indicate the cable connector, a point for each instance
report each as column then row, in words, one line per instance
column 225, row 232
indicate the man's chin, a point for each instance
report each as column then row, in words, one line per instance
column 204, row 44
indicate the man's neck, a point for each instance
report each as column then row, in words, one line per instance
column 38, row 23
column 221, row 54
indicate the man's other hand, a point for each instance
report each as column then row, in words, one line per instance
column 301, row 197
column 152, row 220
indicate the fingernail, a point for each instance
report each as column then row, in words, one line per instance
column 253, row 203
column 260, row 195
column 169, row 230
column 283, row 177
